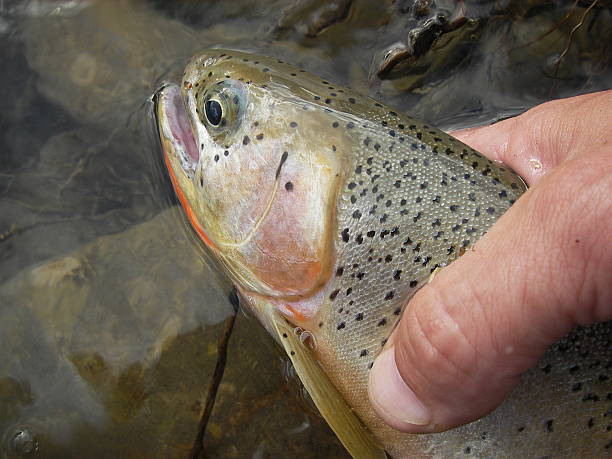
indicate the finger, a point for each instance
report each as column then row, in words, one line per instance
column 540, row 139
column 465, row 338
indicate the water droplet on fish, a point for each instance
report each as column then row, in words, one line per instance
column 23, row 442
column 306, row 337
column 535, row 163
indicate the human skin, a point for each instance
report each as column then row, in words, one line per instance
column 546, row 265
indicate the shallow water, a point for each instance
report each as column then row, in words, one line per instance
column 109, row 311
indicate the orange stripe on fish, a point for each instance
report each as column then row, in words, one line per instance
column 188, row 210
column 297, row 315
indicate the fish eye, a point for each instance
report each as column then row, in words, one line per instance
column 213, row 111
column 220, row 109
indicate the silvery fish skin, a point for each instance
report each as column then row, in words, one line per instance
column 331, row 209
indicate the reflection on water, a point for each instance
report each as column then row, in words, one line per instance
column 109, row 313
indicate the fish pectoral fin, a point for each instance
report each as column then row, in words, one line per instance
column 344, row 422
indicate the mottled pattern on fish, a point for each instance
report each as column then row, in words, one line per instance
column 335, row 209
column 414, row 199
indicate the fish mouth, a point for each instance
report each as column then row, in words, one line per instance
column 173, row 124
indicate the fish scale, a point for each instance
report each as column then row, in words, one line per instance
column 330, row 210
column 414, row 200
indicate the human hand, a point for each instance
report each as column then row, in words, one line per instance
column 544, row 267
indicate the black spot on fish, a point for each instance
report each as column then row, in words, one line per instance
column 288, row 186
column 340, row 326
column 216, row 158
column 397, row 274
column 413, row 283
column 246, row 140
column 382, row 322
column 280, row 165
column 335, row 124
column 359, row 316
column 334, row 294
column 259, row 136
column 350, row 125
column 345, row 235
column 389, row 295
column 549, row 425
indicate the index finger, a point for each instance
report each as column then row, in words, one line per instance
column 542, row 138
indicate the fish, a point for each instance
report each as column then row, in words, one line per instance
column 328, row 210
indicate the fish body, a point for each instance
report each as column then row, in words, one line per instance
column 329, row 210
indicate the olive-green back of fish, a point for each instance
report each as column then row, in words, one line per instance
column 397, row 199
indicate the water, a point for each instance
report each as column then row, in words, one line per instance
column 110, row 313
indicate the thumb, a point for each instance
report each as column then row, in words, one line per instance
column 466, row 337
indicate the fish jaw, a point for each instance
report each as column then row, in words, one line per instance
column 180, row 153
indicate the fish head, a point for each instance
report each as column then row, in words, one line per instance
column 255, row 176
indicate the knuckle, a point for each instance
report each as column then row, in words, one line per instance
column 442, row 349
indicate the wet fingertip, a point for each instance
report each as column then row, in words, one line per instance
column 392, row 399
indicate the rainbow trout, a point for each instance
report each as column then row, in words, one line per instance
column 329, row 210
